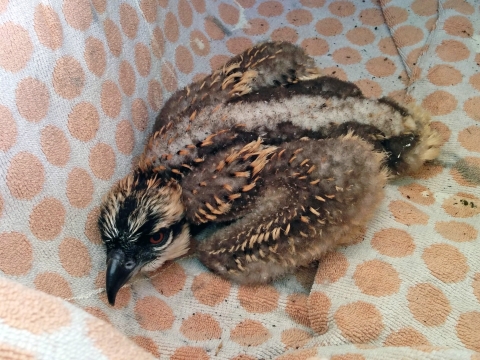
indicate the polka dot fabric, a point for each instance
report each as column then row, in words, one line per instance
column 39, row 326
column 411, row 280
column 82, row 82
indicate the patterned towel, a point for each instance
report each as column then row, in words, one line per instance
column 81, row 83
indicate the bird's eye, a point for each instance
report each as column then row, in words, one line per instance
column 157, row 238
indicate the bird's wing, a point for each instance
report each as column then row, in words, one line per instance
column 312, row 195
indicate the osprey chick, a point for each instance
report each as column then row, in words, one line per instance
column 291, row 161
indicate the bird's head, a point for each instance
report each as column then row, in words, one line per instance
column 142, row 225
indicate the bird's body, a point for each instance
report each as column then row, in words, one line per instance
column 294, row 163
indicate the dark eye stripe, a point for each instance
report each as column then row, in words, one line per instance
column 177, row 228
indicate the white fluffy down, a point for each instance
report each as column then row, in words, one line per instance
column 308, row 112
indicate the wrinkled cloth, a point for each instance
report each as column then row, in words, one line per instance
column 81, row 84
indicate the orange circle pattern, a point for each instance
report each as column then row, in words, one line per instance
column 86, row 79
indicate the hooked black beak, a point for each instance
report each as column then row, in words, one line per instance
column 119, row 270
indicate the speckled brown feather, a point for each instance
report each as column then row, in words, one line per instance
column 233, row 173
column 319, row 196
